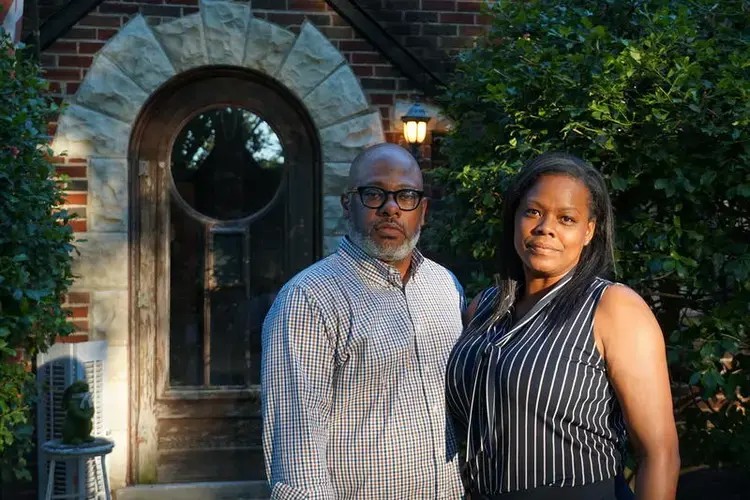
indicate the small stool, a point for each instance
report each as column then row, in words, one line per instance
column 56, row 451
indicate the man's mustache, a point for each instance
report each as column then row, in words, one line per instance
column 392, row 224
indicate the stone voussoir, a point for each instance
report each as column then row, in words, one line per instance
column 225, row 29
column 139, row 55
column 267, row 45
column 310, row 61
column 183, row 42
column 107, row 89
column 343, row 141
column 339, row 96
column 82, row 132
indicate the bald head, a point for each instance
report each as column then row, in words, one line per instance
column 384, row 157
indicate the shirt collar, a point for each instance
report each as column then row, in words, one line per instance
column 375, row 269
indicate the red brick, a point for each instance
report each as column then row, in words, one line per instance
column 421, row 17
column 72, row 87
column 72, row 172
column 363, row 70
column 311, row 5
column 63, row 75
column 449, row 5
column 285, row 18
column 48, row 60
column 457, row 18
column 75, row 61
column 469, row 6
column 385, row 112
column 79, row 298
column 81, row 34
column 56, row 160
column 471, row 30
column 386, row 99
column 355, row 46
column 54, row 88
column 75, row 338
column 339, row 21
column 79, row 312
column 386, row 71
column 78, row 225
column 440, row 29
column 62, row 48
column 189, row 10
column 455, row 42
column 82, row 161
column 75, row 199
column 89, row 47
column 118, row 8
column 378, row 83
column 484, row 20
column 368, row 58
column 101, row 21
column 81, row 325
column 337, row 32
column 161, row 10
column 51, row 129
column 103, row 34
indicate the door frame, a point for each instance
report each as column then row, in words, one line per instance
column 148, row 349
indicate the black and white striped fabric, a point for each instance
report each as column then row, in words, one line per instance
column 353, row 375
column 534, row 401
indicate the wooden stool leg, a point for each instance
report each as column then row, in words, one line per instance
column 81, row 479
column 107, row 493
column 50, row 480
column 96, row 480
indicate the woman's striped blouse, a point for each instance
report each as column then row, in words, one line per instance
column 534, row 399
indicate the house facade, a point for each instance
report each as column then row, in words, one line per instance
column 207, row 145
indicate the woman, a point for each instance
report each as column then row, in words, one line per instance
column 557, row 363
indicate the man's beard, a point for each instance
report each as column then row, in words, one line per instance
column 382, row 251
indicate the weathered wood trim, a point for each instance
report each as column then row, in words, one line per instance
column 406, row 62
column 146, row 423
column 162, row 282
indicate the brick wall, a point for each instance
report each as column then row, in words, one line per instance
column 433, row 30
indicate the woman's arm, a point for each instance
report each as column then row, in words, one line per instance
column 632, row 344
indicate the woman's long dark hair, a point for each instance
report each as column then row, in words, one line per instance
column 597, row 258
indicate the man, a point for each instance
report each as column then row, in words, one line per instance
column 354, row 353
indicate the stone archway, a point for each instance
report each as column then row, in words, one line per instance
column 98, row 121
column 97, row 125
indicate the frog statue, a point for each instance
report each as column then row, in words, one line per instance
column 79, row 410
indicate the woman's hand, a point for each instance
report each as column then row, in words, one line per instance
column 632, row 344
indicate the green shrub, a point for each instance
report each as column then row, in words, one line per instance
column 657, row 95
column 35, row 249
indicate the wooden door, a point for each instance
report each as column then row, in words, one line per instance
column 226, row 211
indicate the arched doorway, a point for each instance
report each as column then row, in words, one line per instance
column 225, row 179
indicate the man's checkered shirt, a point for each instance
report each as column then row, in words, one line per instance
column 353, row 379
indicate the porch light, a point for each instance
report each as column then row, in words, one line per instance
column 415, row 125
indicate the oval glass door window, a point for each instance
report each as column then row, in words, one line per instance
column 227, row 163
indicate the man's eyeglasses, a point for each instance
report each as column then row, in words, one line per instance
column 375, row 197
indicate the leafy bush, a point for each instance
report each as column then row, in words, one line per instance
column 657, row 95
column 35, row 247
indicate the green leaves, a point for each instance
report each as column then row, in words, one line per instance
column 34, row 249
column 655, row 94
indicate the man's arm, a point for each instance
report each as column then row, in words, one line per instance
column 297, row 374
